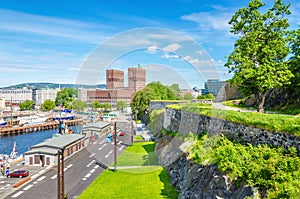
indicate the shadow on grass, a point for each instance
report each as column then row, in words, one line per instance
column 150, row 158
column 168, row 191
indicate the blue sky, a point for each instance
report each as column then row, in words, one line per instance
column 54, row 41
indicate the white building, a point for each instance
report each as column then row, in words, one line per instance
column 46, row 152
column 43, row 95
column 16, row 95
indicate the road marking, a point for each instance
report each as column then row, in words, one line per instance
column 7, row 185
column 17, row 194
column 102, row 147
column 28, row 187
column 42, row 171
column 65, row 169
column 48, row 167
column 102, row 142
column 121, row 147
column 41, row 178
column 34, row 176
column 53, row 177
column 109, row 153
column 93, row 170
column 2, row 182
column 69, row 166
column 35, row 182
column 2, row 188
column 96, row 167
column 88, row 175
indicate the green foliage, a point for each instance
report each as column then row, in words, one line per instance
column 274, row 169
column 106, row 106
column 27, row 105
column 188, row 96
column 176, row 90
column 169, row 133
column 48, row 105
column 65, row 97
column 95, row 104
column 258, row 60
column 121, row 105
column 276, row 122
column 79, row 105
column 153, row 91
column 207, row 96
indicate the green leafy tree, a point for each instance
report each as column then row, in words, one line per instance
column 188, row 96
column 121, row 105
column 96, row 104
column 295, row 62
column 79, row 105
column 27, row 105
column 153, row 91
column 207, row 96
column 48, row 105
column 258, row 58
column 176, row 90
column 65, row 97
column 106, row 106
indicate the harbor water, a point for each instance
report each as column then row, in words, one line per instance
column 26, row 140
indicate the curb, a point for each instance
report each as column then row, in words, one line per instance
column 21, row 182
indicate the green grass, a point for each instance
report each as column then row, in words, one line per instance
column 133, row 179
column 138, row 137
column 139, row 154
column 276, row 122
column 126, row 184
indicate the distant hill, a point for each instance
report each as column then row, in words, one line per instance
column 53, row 86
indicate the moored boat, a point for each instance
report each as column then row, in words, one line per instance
column 64, row 115
column 3, row 122
column 32, row 119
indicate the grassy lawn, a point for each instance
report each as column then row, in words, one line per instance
column 276, row 122
column 134, row 179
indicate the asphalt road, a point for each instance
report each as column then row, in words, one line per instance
column 80, row 170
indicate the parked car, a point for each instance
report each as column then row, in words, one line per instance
column 18, row 174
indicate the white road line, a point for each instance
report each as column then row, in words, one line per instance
column 53, row 177
column 7, row 185
column 92, row 171
column 35, row 182
column 88, row 175
column 121, row 147
column 28, row 187
column 70, row 165
column 96, row 167
column 65, row 169
column 110, row 152
column 2, row 188
column 2, row 182
column 34, row 176
column 83, row 178
column 41, row 178
column 48, row 167
column 42, row 171
column 17, row 194
column 102, row 141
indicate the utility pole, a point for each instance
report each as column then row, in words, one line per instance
column 115, row 147
column 58, row 175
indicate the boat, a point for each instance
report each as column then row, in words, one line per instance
column 32, row 119
column 3, row 122
column 64, row 115
column 14, row 153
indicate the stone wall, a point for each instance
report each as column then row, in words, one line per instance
column 198, row 181
column 185, row 122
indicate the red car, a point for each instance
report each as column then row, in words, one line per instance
column 121, row 134
column 18, row 174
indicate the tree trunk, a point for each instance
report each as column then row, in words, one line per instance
column 260, row 97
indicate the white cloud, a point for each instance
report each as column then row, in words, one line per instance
column 152, row 49
column 170, row 56
column 210, row 20
column 199, row 63
column 172, row 47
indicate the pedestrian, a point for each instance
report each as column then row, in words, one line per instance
column 7, row 172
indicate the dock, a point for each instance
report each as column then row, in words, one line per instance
column 8, row 131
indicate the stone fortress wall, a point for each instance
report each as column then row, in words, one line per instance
column 198, row 181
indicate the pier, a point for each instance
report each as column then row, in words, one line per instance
column 8, row 131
